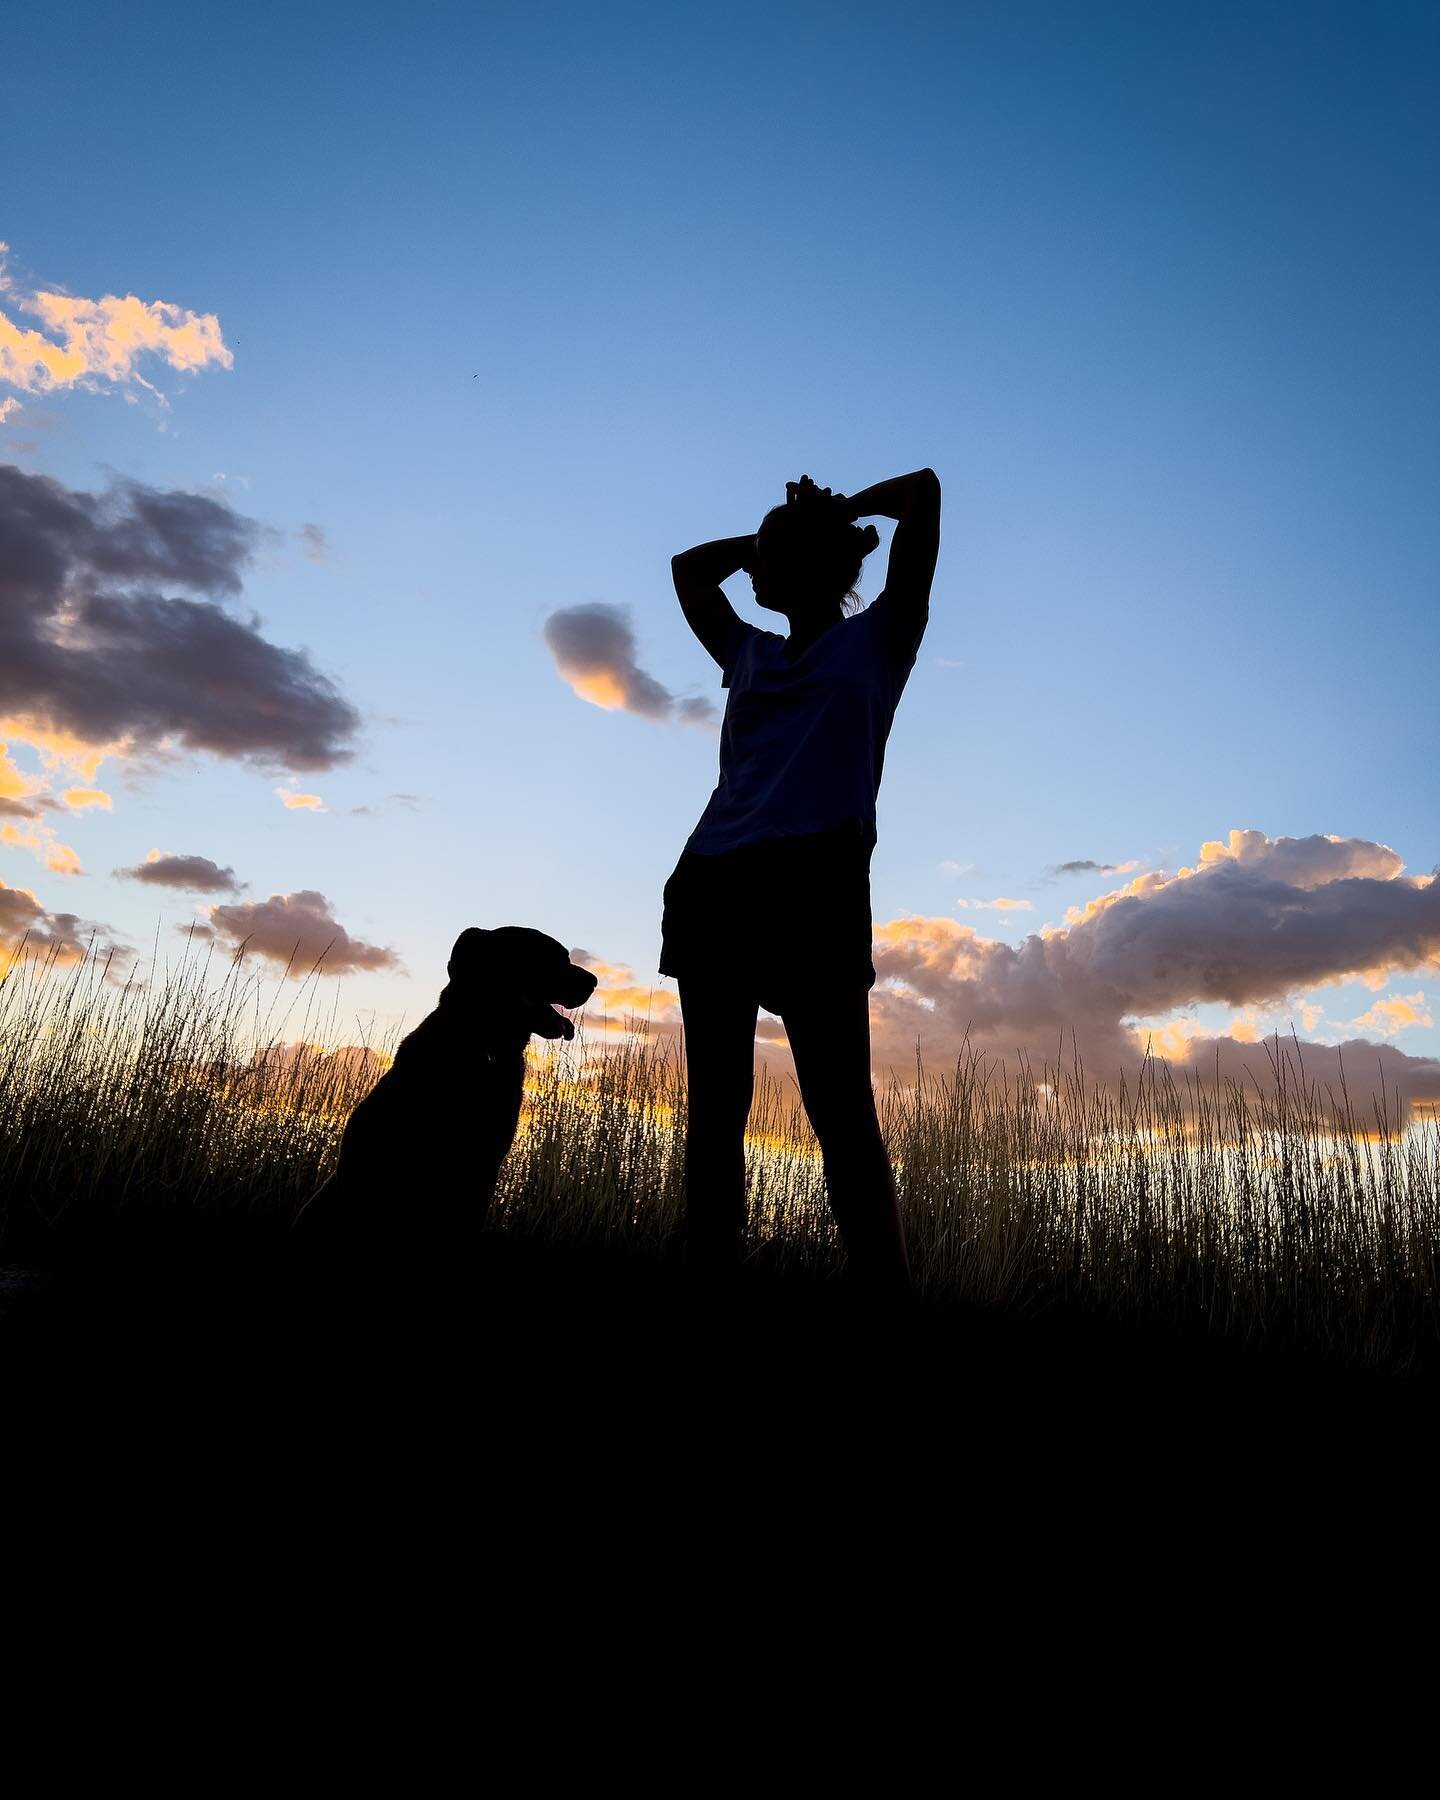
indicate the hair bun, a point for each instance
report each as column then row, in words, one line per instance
column 870, row 538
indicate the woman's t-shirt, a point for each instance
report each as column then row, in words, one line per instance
column 802, row 746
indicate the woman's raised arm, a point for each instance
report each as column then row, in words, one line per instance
column 698, row 574
column 913, row 500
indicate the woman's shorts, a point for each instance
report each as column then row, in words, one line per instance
column 779, row 919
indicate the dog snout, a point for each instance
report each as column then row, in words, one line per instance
column 576, row 987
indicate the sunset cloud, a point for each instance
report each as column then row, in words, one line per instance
column 40, row 841
column 621, row 998
column 28, row 929
column 300, row 932
column 1001, row 904
column 294, row 802
column 87, row 343
column 196, row 874
column 1254, row 924
column 96, row 659
column 1398, row 1014
column 594, row 650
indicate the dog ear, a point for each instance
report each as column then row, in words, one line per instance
column 472, row 955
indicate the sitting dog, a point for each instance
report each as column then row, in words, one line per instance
column 420, row 1154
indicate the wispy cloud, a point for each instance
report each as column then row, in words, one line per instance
column 1084, row 866
column 594, row 650
column 402, row 802
column 999, row 904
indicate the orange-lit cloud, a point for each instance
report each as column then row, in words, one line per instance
column 594, row 650
column 1397, row 1014
column 621, row 999
column 294, row 802
column 42, row 843
column 89, row 342
column 17, row 788
column 61, row 751
column 998, row 905
column 28, row 929
column 78, row 799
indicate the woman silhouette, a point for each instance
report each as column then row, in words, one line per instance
column 769, row 904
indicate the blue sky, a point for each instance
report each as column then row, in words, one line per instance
column 522, row 300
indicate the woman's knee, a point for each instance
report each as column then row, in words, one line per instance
column 846, row 1127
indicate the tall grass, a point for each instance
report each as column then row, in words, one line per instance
column 1269, row 1212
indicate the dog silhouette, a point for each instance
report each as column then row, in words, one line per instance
column 420, row 1154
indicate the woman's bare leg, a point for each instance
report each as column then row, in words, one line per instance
column 720, row 1076
column 830, row 1041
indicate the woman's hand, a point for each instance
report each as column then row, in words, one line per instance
column 804, row 492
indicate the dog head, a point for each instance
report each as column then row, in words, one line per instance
column 519, row 974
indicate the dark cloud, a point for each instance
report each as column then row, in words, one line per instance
column 299, row 931
column 91, row 645
column 313, row 543
column 1084, row 866
column 21, row 809
column 594, row 650
column 1254, row 923
column 43, row 934
column 197, row 874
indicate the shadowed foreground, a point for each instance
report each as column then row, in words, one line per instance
column 1108, row 1282
column 554, row 1357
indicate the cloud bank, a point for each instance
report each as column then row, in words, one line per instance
column 594, row 650
column 1254, row 923
column 95, row 653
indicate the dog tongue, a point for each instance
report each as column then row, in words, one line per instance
column 548, row 1023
